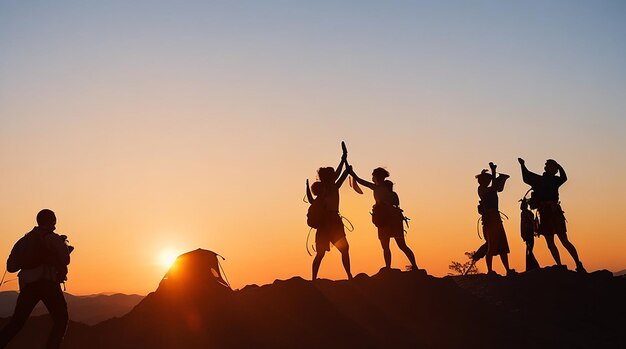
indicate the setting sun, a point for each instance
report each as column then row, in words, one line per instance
column 167, row 258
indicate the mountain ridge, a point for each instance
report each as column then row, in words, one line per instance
column 88, row 309
column 545, row 308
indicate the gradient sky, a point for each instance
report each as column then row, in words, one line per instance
column 155, row 126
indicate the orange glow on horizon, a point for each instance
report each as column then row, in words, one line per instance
column 167, row 258
column 152, row 131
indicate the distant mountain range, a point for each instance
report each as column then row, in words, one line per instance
column 86, row 309
column 620, row 273
column 547, row 308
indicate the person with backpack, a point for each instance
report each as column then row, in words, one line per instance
column 324, row 215
column 387, row 215
column 489, row 185
column 41, row 257
column 551, row 216
column 527, row 229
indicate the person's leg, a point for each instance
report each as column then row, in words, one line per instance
column 344, row 248
column 52, row 297
column 530, row 244
column 553, row 249
column 569, row 246
column 317, row 261
column 528, row 254
column 488, row 231
column 26, row 301
column 384, row 243
column 489, row 260
column 407, row 251
column 572, row 251
column 531, row 261
column 505, row 261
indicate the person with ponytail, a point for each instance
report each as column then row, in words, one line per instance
column 332, row 229
column 387, row 214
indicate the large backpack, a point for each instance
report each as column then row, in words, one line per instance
column 316, row 215
column 29, row 252
column 384, row 215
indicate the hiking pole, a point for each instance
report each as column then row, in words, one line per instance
column 2, row 282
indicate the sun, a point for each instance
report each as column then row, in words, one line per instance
column 167, row 258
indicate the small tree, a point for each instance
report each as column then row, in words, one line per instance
column 468, row 267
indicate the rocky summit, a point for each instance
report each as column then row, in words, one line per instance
column 546, row 308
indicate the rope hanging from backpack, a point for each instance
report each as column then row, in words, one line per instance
column 502, row 214
column 343, row 218
column 406, row 220
column 307, row 243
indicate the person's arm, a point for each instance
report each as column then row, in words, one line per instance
column 497, row 182
column 493, row 166
column 344, row 160
column 362, row 181
column 343, row 177
column 528, row 177
column 309, row 196
column 59, row 247
column 500, row 181
column 486, row 190
column 562, row 174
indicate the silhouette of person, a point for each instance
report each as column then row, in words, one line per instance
column 497, row 244
column 387, row 214
column 527, row 229
column 332, row 229
column 48, row 257
column 551, row 216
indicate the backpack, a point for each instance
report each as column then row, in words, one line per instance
column 316, row 215
column 384, row 215
column 380, row 215
column 29, row 252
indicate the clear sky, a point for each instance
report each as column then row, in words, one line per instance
column 156, row 126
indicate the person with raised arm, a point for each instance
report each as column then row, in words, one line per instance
column 551, row 216
column 489, row 185
column 387, row 215
column 331, row 229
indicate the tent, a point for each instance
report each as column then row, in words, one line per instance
column 198, row 267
